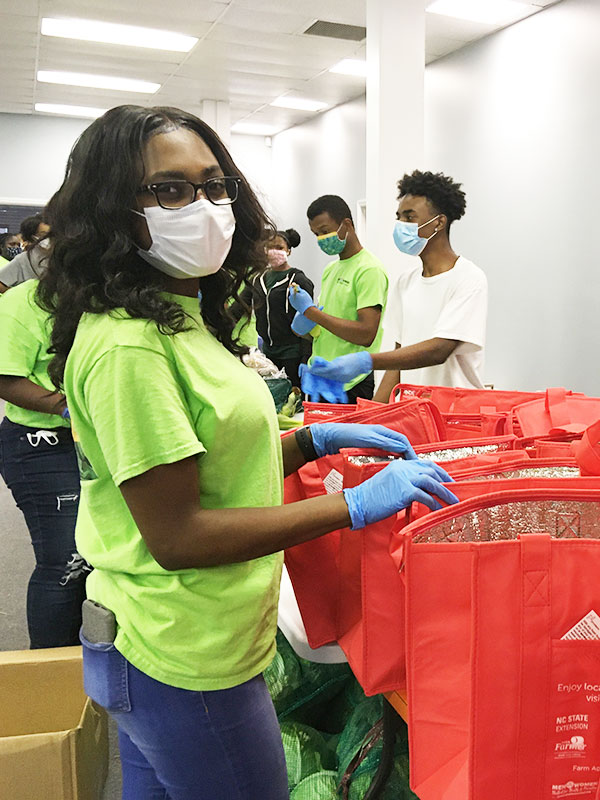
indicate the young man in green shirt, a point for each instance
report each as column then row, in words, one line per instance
column 353, row 292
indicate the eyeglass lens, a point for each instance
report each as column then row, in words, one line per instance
column 175, row 194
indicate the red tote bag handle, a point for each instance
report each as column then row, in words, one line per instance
column 535, row 658
column 556, row 406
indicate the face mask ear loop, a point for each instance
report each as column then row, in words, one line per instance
column 429, row 238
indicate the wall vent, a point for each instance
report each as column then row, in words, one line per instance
column 335, row 30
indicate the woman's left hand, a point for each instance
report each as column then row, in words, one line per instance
column 330, row 437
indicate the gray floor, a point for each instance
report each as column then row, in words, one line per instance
column 16, row 563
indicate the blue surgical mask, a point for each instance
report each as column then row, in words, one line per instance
column 331, row 243
column 407, row 239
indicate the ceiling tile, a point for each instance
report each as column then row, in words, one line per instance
column 352, row 12
column 250, row 52
column 180, row 16
column 276, row 21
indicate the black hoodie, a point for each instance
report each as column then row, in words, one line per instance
column 273, row 311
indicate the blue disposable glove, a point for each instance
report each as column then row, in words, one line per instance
column 302, row 325
column 342, row 368
column 396, row 487
column 299, row 299
column 316, row 388
column 329, row 438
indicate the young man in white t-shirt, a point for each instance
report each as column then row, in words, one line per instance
column 439, row 308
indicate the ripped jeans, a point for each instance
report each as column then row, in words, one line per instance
column 40, row 469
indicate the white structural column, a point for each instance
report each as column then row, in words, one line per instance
column 216, row 113
column 395, row 109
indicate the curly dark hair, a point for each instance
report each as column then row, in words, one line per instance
column 29, row 226
column 94, row 266
column 444, row 195
column 291, row 236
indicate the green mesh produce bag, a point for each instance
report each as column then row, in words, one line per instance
column 326, row 720
column 280, row 389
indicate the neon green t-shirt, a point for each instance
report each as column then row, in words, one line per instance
column 347, row 285
column 246, row 332
column 25, row 337
column 139, row 398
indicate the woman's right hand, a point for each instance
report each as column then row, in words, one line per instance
column 396, row 487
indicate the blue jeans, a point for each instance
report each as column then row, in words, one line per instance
column 42, row 474
column 178, row 744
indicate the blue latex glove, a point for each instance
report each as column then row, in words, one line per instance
column 302, row 325
column 299, row 299
column 396, row 487
column 316, row 388
column 329, row 438
column 342, row 368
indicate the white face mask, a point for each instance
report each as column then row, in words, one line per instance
column 188, row 242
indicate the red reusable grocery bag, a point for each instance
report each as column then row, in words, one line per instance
column 486, row 423
column 419, row 420
column 521, row 467
column 587, row 450
column 469, row 401
column 557, row 412
column 312, row 566
column 501, row 706
column 326, row 412
column 370, row 615
column 450, row 453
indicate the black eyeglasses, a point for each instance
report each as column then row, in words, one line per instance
column 220, row 191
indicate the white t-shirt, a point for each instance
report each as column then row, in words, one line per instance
column 452, row 305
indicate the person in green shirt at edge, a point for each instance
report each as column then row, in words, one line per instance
column 39, row 466
column 181, row 460
column 353, row 292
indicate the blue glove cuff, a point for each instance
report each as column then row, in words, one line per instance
column 357, row 517
column 318, row 439
column 301, row 324
column 365, row 361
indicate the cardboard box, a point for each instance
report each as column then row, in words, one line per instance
column 53, row 739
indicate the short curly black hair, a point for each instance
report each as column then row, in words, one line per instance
column 332, row 204
column 444, row 195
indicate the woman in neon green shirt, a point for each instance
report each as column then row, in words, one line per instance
column 180, row 456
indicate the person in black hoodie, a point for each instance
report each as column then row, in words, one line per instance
column 272, row 309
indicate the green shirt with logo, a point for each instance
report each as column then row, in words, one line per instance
column 139, row 398
column 25, row 331
column 347, row 285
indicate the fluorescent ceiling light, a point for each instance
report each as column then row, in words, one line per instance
column 93, row 31
column 491, row 12
column 351, row 66
column 254, row 128
column 299, row 103
column 97, row 81
column 70, row 111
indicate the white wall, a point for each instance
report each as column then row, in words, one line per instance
column 34, row 151
column 252, row 154
column 323, row 156
column 33, row 155
column 516, row 118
